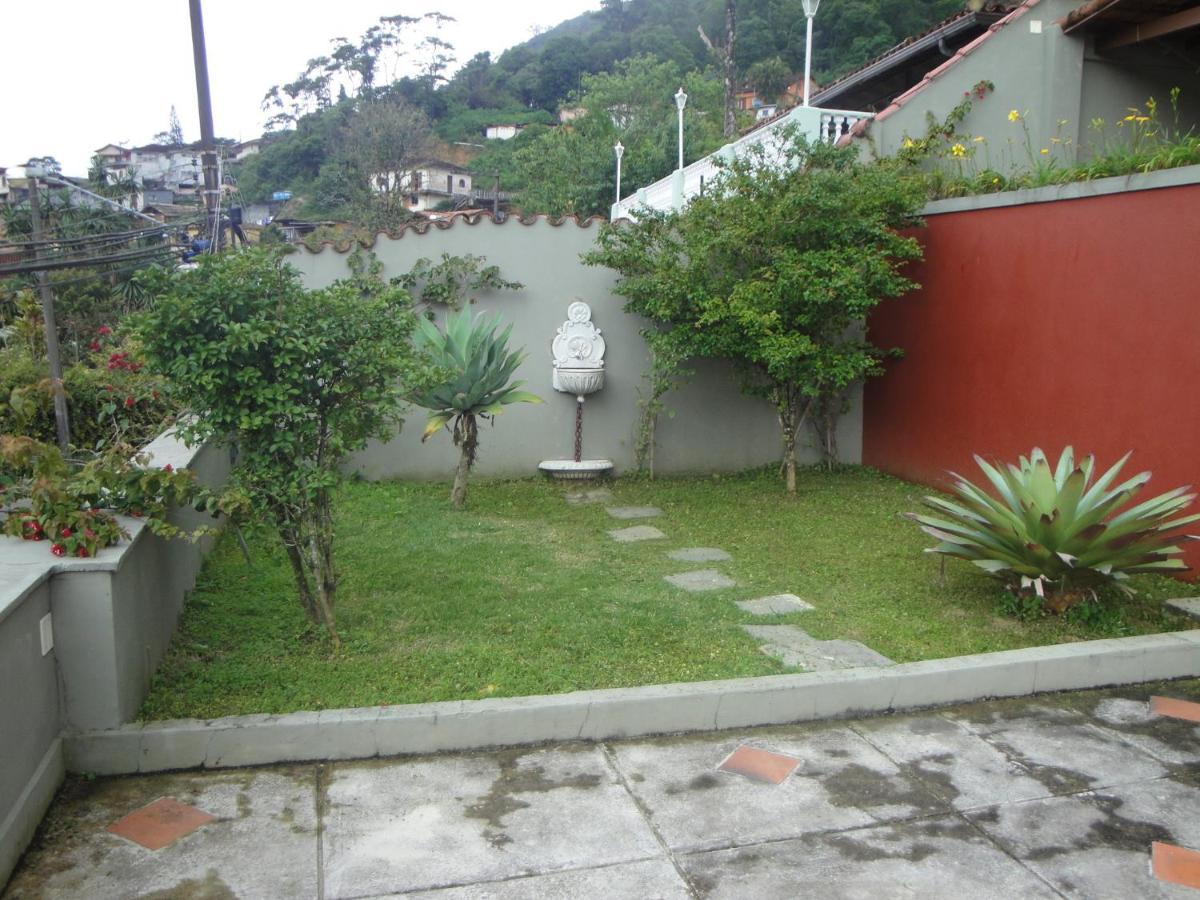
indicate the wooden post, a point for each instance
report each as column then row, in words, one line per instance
column 61, row 422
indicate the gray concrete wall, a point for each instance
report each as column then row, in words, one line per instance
column 1050, row 78
column 31, row 761
column 112, row 617
column 115, row 618
column 714, row 427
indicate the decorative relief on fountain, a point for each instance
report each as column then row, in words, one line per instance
column 578, row 350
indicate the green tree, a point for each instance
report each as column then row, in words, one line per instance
column 295, row 379
column 775, row 269
column 573, row 170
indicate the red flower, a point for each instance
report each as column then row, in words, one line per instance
column 94, row 346
column 88, row 533
column 136, row 513
column 58, row 549
column 168, row 468
column 66, row 532
column 82, row 551
column 103, row 329
column 109, row 387
column 129, row 401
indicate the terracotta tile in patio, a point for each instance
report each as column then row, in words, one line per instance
column 759, row 765
column 160, row 823
column 1177, row 865
column 1175, row 709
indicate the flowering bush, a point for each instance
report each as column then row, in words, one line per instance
column 72, row 506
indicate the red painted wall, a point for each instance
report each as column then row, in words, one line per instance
column 1072, row 322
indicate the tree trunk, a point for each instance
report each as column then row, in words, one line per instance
column 724, row 57
column 320, row 543
column 793, row 410
column 468, row 440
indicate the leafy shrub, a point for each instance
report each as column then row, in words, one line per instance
column 1056, row 533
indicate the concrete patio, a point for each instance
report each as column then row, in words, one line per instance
column 1054, row 796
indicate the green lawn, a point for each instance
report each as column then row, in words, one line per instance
column 524, row 594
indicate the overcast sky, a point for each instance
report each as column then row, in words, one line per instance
column 109, row 73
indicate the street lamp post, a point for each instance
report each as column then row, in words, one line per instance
column 680, row 103
column 620, row 151
column 810, row 10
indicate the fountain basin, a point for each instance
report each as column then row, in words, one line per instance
column 578, row 380
column 570, row 470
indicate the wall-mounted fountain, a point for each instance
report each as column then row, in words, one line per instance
column 578, row 351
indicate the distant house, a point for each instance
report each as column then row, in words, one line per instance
column 430, row 183
column 570, row 114
column 239, row 152
column 502, row 132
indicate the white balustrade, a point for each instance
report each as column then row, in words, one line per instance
column 824, row 125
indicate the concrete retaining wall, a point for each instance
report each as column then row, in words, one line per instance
column 111, row 619
column 630, row 712
column 713, row 426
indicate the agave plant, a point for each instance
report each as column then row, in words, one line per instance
column 479, row 367
column 1056, row 531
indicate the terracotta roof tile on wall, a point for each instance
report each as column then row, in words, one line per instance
column 467, row 218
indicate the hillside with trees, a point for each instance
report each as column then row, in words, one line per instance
column 618, row 66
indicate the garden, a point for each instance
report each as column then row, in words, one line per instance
column 328, row 591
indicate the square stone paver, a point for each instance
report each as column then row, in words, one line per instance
column 759, row 765
column 636, row 533
column 261, row 841
column 595, row 495
column 941, row 858
column 403, row 826
column 843, row 782
column 699, row 554
column 1189, row 606
column 634, row 512
column 160, row 823
column 1097, row 844
column 701, row 580
column 796, row 647
column 775, row 605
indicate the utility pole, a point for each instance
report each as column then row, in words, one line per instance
column 208, row 144
column 496, row 198
column 61, row 423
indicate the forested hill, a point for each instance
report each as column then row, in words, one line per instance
column 345, row 120
column 542, row 71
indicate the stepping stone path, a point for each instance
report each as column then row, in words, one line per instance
column 792, row 646
column 634, row 512
column 700, row 580
column 636, row 533
column 796, row 647
column 1189, row 606
column 596, row 495
column 775, row 605
column 699, row 554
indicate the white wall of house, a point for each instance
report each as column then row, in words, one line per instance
column 502, row 132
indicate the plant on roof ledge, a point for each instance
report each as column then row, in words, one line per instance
column 1057, row 534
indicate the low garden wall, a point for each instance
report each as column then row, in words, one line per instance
column 711, row 425
column 1062, row 315
column 110, row 619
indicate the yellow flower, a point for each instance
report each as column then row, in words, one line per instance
column 908, row 142
column 996, row 180
column 1014, row 116
column 1141, row 118
column 958, row 150
column 1130, row 118
column 1044, row 151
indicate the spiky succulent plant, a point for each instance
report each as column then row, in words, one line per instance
column 1056, row 531
column 478, row 366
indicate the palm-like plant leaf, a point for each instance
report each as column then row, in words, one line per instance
column 1057, row 528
